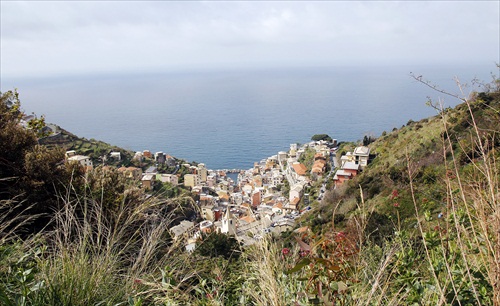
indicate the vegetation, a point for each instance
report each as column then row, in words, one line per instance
column 419, row 226
column 318, row 137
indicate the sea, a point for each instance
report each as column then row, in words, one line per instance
column 231, row 118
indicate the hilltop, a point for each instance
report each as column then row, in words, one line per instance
column 95, row 149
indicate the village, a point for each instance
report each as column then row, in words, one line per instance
column 267, row 199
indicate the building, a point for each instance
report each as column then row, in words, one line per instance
column 299, row 168
column 191, row 180
column 361, row 156
column 211, row 181
column 70, row 153
column 296, row 191
column 228, row 223
column 276, row 178
column 84, row 161
column 341, row 176
column 351, row 168
column 207, row 213
column 319, row 165
column 152, row 170
column 160, row 157
column 182, row 229
column 168, row 178
column 147, row 154
column 206, row 226
column 131, row 172
column 138, row 156
column 148, row 181
column 202, row 173
column 256, row 198
column 115, row 155
column 282, row 157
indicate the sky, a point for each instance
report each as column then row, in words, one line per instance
column 43, row 38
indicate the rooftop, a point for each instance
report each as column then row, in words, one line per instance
column 363, row 151
column 78, row 157
column 351, row 166
column 299, row 168
column 183, row 227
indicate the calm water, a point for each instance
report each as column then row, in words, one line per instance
column 230, row 119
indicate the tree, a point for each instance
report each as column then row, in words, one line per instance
column 29, row 172
column 367, row 139
column 318, row 137
column 217, row 244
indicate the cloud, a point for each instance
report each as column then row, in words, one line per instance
column 40, row 38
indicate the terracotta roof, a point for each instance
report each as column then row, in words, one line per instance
column 299, row 168
column 317, row 170
column 295, row 201
column 248, row 219
column 318, row 166
column 319, row 156
column 278, row 205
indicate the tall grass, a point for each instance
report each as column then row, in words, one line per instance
column 90, row 256
column 453, row 258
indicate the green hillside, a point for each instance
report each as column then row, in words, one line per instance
column 95, row 149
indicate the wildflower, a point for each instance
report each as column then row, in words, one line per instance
column 396, row 204
column 340, row 237
column 395, row 194
column 285, row 251
column 137, row 281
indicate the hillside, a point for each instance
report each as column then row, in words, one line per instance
column 418, row 226
column 425, row 152
column 430, row 194
column 95, row 149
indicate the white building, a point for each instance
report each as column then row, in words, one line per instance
column 81, row 159
column 361, row 156
column 168, row 178
column 228, row 223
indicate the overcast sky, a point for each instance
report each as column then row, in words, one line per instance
column 40, row 38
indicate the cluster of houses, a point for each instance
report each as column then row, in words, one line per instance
column 256, row 204
column 351, row 164
column 147, row 178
